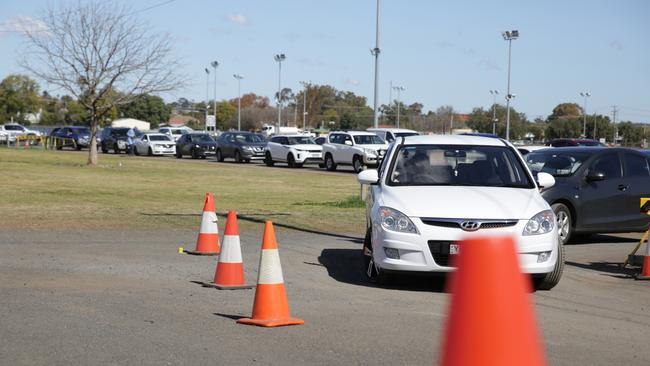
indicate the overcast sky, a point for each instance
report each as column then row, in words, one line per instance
column 442, row 52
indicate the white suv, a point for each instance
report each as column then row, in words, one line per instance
column 9, row 131
column 175, row 132
column 295, row 150
column 391, row 134
column 356, row 148
column 430, row 192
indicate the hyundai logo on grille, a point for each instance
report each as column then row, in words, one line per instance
column 470, row 225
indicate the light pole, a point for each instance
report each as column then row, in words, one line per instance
column 399, row 89
column 509, row 36
column 279, row 58
column 375, row 52
column 494, row 110
column 238, row 77
column 584, row 113
column 207, row 96
column 304, row 104
column 214, row 65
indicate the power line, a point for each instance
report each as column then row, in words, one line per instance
column 153, row 6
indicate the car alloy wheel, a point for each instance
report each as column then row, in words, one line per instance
column 149, row 152
column 357, row 164
column 194, row 154
column 291, row 161
column 329, row 163
column 238, row 157
column 372, row 272
column 564, row 225
column 116, row 149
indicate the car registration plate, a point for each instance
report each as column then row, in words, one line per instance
column 454, row 249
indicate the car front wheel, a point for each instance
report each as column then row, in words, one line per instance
column 329, row 163
column 268, row 160
column 357, row 164
column 551, row 279
column 564, row 222
column 372, row 272
column 219, row 155
column 291, row 161
column 238, row 158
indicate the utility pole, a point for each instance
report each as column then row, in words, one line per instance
column 494, row 111
column 304, row 104
column 451, row 123
column 584, row 113
column 509, row 36
column 207, row 97
column 595, row 123
column 214, row 64
column 614, row 111
column 375, row 52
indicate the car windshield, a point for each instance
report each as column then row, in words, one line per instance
column 159, row 138
column 557, row 164
column 120, row 131
column 179, row 132
column 405, row 134
column 368, row 140
column 301, row 140
column 202, row 138
column 80, row 130
column 457, row 165
column 249, row 137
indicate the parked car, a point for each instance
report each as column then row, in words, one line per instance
column 175, row 132
column 77, row 137
column 356, row 148
column 9, row 131
column 432, row 191
column 321, row 140
column 114, row 138
column 195, row 144
column 574, row 142
column 241, row 146
column 597, row 190
column 295, row 150
column 527, row 149
column 391, row 134
column 154, row 144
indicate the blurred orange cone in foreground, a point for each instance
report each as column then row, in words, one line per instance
column 229, row 274
column 645, row 271
column 270, row 308
column 208, row 241
column 490, row 319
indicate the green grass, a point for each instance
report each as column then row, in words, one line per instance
column 56, row 190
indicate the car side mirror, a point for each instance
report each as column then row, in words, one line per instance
column 594, row 176
column 348, row 142
column 369, row 176
column 545, row 180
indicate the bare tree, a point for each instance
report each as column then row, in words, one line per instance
column 102, row 55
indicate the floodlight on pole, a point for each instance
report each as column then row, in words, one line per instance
column 214, row 65
column 398, row 89
column 494, row 111
column 238, row 77
column 584, row 113
column 509, row 36
column 207, row 96
column 279, row 58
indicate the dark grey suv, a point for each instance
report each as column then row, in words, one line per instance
column 597, row 190
column 241, row 146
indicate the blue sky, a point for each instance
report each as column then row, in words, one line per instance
column 447, row 52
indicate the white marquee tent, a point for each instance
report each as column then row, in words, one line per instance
column 131, row 123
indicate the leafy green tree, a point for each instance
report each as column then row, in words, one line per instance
column 18, row 97
column 225, row 114
column 481, row 120
column 565, row 128
column 631, row 134
column 148, row 108
column 566, row 110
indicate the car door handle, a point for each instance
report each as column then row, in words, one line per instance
column 623, row 187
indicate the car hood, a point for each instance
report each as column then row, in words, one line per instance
column 374, row 146
column 256, row 144
column 161, row 142
column 309, row 147
column 464, row 202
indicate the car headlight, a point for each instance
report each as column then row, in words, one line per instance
column 394, row 220
column 247, row 148
column 197, row 145
column 541, row 223
column 370, row 151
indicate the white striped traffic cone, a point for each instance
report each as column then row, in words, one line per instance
column 208, row 241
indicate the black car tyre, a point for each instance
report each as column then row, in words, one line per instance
column 195, row 155
column 116, row 149
column 149, row 152
column 178, row 155
column 219, row 155
column 371, row 272
column 268, row 160
column 238, row 157
column 357, row 164
column 203, row 156
column 551, row 279
column 135, row 151
column 564, row 222
column 78, row 147
column 291, row 161
column 329, row 163
column 104, row 149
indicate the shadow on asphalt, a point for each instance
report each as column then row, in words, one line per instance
column 610, row 268
column 346, row 265
column 230, row 316
column 601, row 239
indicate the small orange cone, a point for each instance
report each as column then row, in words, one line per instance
column 270, row 308
column 229, row 274
column 645, row 271
column 491, row 320
column 208, row 241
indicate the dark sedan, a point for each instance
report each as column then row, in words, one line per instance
column 196, row 145
column 241, row 146
column 77, row 137
column 597, row 190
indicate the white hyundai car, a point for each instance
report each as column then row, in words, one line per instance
column 432, row 191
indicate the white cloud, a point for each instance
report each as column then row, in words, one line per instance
column 23, row 25
column 353, row 81
column 239, row 19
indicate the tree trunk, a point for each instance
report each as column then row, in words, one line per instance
column 92, row 150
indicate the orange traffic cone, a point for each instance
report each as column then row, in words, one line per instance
column 645, row 271
column 270, row 308
column 229, row 274
column 491, row 320
column 208, row 241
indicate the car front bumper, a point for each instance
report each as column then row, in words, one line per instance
column 306, row 157
column 415, row 250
